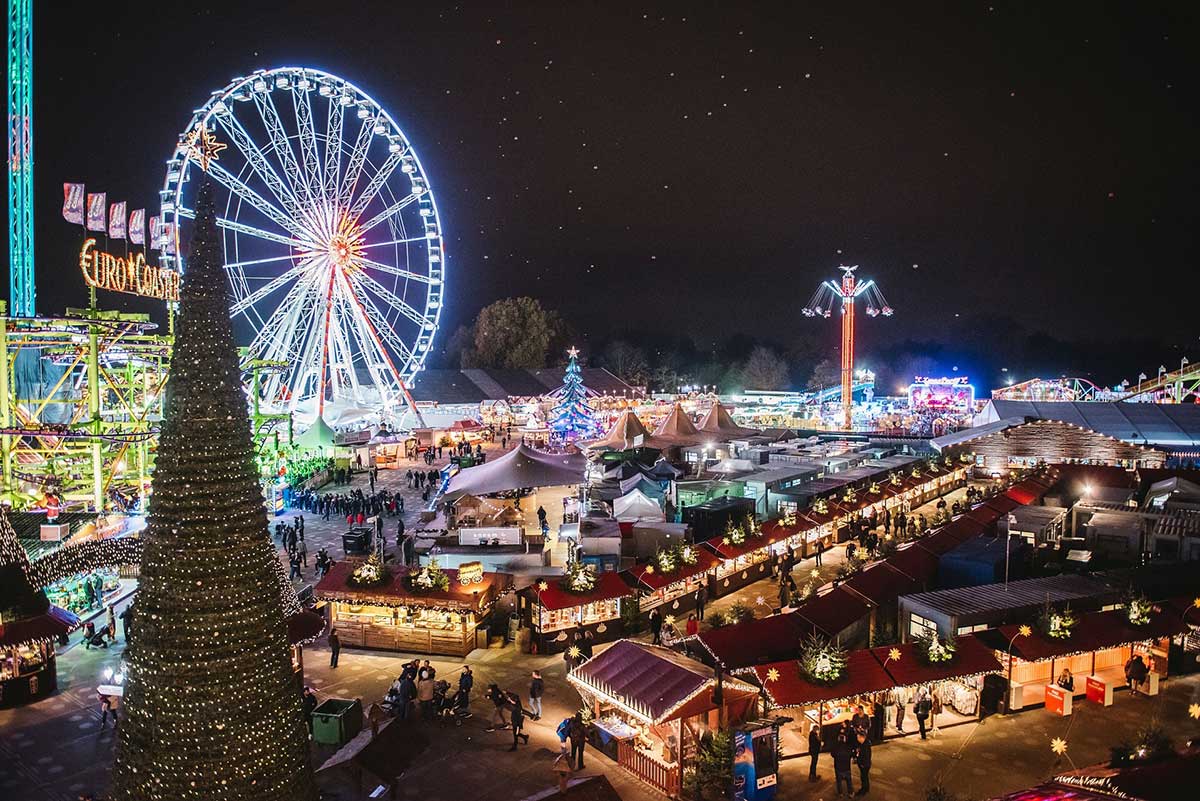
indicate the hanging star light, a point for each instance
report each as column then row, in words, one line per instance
column 203, row 147
column 894, row 655
column 669, row 620
column 574, row 652
column 1194, row 711
column 760, row 601
column 1025, row 631
column 1058, row 745
column 772, row 674
column 543, row 586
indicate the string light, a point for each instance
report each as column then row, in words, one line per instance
column 208, row 644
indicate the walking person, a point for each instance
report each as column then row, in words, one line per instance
column 900, row 704
column 814, row 751
column 578, row 735
column 843, row 760
column 922, row 707
column 701, row 599
column 499, row 701
column 656, row 623
column 294, row 561
column 935, row 709
column 335, row 647
column 536, row 688
column 107, row 707
column 302, row 552
column 518, row 720
column 820, row 550
column 466, row 680
column 112, row 624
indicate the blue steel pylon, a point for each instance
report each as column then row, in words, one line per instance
column 20, row 158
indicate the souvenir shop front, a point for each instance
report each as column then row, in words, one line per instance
column 1085, row 658
column 556, row 608
column 31, row 626
column 425, row 611
column 953, row 679
column 648, row 707
column 742, row 563
column 670, row 581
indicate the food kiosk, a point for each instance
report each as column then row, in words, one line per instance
column 745, row 562
column 555, row 609
column 426, row 610
column 670, row 581
column 648, row 708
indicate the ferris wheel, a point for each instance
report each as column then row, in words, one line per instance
column 332, row 242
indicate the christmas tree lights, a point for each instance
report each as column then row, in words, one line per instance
column 212, row 711
column 572, row 418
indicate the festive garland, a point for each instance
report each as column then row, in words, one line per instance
column 429, row 578
column 821, row 661
column 932, row 650
column 737, row 534
column 580, row 578
column 1059, row 625
column 672, row 559
column 1140, row 608
column 821, row 506
column 371, row 573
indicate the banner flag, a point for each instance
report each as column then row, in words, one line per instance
column 116, row 220
column 168, row 238
column 96, row 211
column 73, row 203
column 137, row 226
column 155, row 233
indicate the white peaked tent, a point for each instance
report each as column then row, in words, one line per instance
column 678, row 429
column 636, row 507
column 520, row 467
column 627, row 432
column 718, row 425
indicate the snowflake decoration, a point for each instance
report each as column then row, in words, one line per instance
column 772, row 674
column 1058, row 745
column 760, row 601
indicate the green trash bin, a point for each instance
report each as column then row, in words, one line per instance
column 336, row 721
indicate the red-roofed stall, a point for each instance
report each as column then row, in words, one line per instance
column 745, row 563
column 672, row 591
column 555, row 613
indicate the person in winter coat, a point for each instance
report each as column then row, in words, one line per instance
column 843, row 760
column 537, row 688
column 864, row 764
column 656, row 623
column 814, row 751
column 425, row 696
column 693, row 626
column 500, row 702
column 518, row 720
column 407, row 692
column 578, row 735
column 922, row 707
column 466, row 680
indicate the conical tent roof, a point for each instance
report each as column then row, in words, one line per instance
column 717, row 424
column 635, row 506
column 319, row 436
column 678, row 428
column 624, row 435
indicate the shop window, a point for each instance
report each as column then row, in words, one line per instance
column 920, row 626
column 972, row 629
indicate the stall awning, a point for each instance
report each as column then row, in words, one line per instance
column 1003, row 504
column 652, row 683
column 984, row 515
column 834, row 612
column 650, row 578
column 916, row 563
column 608, row 586
column 521, row 467
column 728, row 550
column 396, row 592
column 789, row 687
column 755, row 642
column 881, row 584
column 971, row 658
column 1094, row 631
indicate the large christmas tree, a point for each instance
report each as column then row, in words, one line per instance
column 572, row 418
column 212, row 711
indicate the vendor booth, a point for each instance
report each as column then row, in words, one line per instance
column 671, row 579
column 558, row 608
column 427, row 611
column 649, row 707
column 741, row 561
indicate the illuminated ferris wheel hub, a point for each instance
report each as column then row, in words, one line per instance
column 332, row 241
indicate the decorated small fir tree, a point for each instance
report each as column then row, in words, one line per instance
column 572, row 418
column 212, row 710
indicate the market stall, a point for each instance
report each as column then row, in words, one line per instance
column 744, row 559
column 1093, row 646
column 556, row 608
column 426, row 610
column 649, row 707
column 671, row 579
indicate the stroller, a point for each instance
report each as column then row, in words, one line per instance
column 450, row 707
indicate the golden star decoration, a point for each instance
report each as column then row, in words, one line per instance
column 574, row 652
column 1058, row 745
column 1194, row 711
column 649, row 569
column 203, row 146
column 669, row 620
column 1025, row 631
column 543, row 586
column 1196, row 603
column 772, row 674
column 894, row 654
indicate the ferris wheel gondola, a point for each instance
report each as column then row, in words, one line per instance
column 331, row 235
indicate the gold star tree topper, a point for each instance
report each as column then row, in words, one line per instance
column 203, row 147
column 1058, row 745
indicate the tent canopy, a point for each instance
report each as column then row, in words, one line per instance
column 678, row 428
column 627, row 432
column 319, row 436
column 636, row 506
column 520, row 467
column 717, row 424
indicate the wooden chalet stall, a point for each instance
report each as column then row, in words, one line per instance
column 554, row 612
column 671, row 579
column 401, row 613
column 745, row 562
column 650, row 706
column 1095, row 653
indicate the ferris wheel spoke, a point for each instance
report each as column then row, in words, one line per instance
column 308, row 141
column 375, row 184
column 358, row 157
column 383, row 293
column 267, row 338
column 410, row 240
column 271, row 212
column 279, row 140
column 399, row 205
column 239, row 264
column 390, row 270
column 267, row 289
column 258, row 162
column 333, row 149
column 378, row 331
column 249, row 230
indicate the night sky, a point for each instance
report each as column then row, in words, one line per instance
column 700, row 169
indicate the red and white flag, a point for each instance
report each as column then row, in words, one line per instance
column 155, row 233
column 96, row 211
column 168, row 238
column 73, row 203
column 137, row 227
column 116, row 220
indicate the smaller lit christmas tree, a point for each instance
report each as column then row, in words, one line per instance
column 572, row 418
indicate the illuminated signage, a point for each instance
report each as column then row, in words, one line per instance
column 131, row 275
